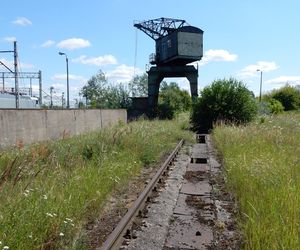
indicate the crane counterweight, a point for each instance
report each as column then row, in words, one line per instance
column 176, row 42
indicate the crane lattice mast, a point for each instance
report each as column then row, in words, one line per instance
column 160, row 27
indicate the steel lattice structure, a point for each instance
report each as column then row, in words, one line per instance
column 160, row 27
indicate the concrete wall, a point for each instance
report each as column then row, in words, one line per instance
column 29, row 126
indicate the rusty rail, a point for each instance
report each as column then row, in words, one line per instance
column 115, row 239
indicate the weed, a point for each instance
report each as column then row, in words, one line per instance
column 49, row 191
column 263, row 171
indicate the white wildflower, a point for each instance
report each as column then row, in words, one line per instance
column 49, row 214
column 72, row 225
column 61, row 234
column 68, row 219
column 0, row 242
column 45, row 197
column 5, row 247
column 54, row 214
column 65, row 222
column 26, row 192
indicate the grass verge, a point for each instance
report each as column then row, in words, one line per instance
column 263, row 171
column 48, row 191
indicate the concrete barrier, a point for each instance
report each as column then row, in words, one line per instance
column 29, row 126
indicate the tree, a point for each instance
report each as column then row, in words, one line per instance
column 227, row 100
column 172, row 100
column 178, row 99
column 288, row 96
column 101, row 94
column 114, row 96
column 139, row 85
column 94, row 88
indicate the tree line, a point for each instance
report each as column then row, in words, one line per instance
column 100, row 93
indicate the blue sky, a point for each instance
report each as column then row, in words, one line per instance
column 239, row 38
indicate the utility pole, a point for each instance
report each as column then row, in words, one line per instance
column 40, row 88
column 67, row 65
column 30, row 88
column 16, row 75
column 3, row 84
column 51, row 92
column 62, row 99
column 260, row 85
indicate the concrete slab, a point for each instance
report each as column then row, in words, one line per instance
column 198, row 167
column 187, row 233
column 198, row 188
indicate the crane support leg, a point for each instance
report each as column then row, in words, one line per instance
column 157, row 73
column 193, row 79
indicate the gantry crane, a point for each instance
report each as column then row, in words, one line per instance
column 176, row 45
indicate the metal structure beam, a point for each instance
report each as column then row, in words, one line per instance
column 157, row 74
column 159, row 27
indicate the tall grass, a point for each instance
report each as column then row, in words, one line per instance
column 263, row 170
column 48, row 191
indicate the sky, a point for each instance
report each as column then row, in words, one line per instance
column 240, row 37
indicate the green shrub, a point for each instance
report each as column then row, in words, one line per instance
column 288, row 96
column 225, row 100
column 275, row 106
column 165, row 111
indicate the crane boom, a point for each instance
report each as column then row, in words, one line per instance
column 157, row 28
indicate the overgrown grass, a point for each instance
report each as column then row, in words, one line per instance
column 263, row 170
column 49, row 191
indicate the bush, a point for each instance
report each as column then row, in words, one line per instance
column 270, row 106
column 165, row 111
column 288, row 96
column 275, row 106
column 225, row 100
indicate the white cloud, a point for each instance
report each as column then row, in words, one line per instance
column 48, row 44
column 60, row 77
column 251, row 70
column 22, row 21
column 281, row 80
column 10, row 64
column 122, row 73
column 10, row 39
column 73, row 43
column 217, row 55
column 98, row 61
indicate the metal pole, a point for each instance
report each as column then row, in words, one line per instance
column 68, row 97
column 62, row 99
column 40, row 88
column 30, row 88
column 51, row 102
column 260, row 87
column 3, row 84
column 16, row 75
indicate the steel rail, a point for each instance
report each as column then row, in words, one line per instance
column 115, row 239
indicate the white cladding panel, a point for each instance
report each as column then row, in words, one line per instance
column 190, row 44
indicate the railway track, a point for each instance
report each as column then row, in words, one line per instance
column 115, row 239
column 185, row 212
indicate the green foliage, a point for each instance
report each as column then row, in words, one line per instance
column 103, row 95
column 275, row 106
column 261, row 163
column 139, row 85
column 288, row 96
column 49, row 191
column 225, row 100
column 178, row 99
column 165, row 111
column 172, row 100
column 94, row 87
